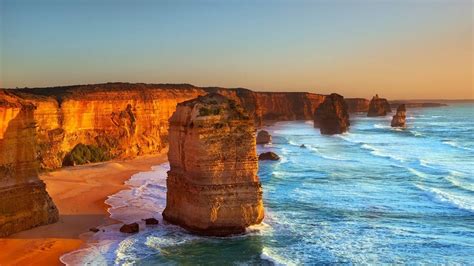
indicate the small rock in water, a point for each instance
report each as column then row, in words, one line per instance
column 95, row 230
column 263, row 137
column 151, row 221
column 268, row 156
column 302, row 146
column 129, row 228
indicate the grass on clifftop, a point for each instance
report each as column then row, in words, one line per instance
column 83, row 154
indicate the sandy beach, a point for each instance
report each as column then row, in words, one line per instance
column 79, row 192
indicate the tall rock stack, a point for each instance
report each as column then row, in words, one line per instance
column 399, row 119
column 212, row 186
column 24, row 202
column 332, row 116
column 378, row 107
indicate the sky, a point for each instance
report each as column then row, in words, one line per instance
column 400, row 49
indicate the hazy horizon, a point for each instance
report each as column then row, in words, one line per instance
column 397, row 49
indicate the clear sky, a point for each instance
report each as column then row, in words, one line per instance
column 398, row 49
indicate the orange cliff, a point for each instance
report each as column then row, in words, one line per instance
column 212, row 185
column 24, row 202
column 127, row 120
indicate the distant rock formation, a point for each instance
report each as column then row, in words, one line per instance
column 357, row 105
column 263, row 137
column 378, row 107
column 24, row 202
column 268, row 156
column 399, row 119
column 212, row 185
column 332, row 116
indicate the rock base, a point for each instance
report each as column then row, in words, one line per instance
column 25, row 206
column 213, row 210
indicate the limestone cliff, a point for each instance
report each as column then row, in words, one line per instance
column 355, row 105
column 24, row 202
column 127, row 120
column 212, row 185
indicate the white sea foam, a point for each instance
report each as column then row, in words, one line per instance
column 457, row 201
column 273, row 257
column 457, row 145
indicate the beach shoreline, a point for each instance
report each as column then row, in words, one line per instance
column 79, row 192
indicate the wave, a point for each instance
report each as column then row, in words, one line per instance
column 273, row 258
column 456, row 201
column 380, row 153
column 456, row 145
column 456, row 180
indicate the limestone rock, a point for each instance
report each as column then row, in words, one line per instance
column 378, row 107
column 399, row 119
column 212, row 185
column 332, row 116
column 270, row 156
column 24, row 202
column 130, row 228
column 263, row 137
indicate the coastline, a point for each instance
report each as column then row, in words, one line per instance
column 79, row 193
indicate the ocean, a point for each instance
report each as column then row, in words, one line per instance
column 374, row 195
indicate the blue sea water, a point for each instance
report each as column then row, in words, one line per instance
column 373, row 195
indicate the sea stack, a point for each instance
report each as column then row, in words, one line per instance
column 24, row 202
column 378, row 107
column 332, row 116
column 399, row 119
column 212, row 186
column 263, row 137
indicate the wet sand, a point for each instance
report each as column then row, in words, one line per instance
column 79, row 193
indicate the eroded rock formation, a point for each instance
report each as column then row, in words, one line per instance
column 379, row 107
column 399, row 119
column 331, row 117
column 263, row 137
column 213, row 187
column 24, row 202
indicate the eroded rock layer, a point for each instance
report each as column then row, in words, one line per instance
column 24, row 202
column 212, row 185
column 331, row 117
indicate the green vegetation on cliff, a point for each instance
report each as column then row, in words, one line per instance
column 82, row 154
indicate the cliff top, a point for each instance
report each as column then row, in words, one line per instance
column 215, row 106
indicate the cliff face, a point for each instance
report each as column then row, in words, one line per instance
column 331, row 116
column 213, row 187
column 127, row 120
column 24, row 202
column 356, row 105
